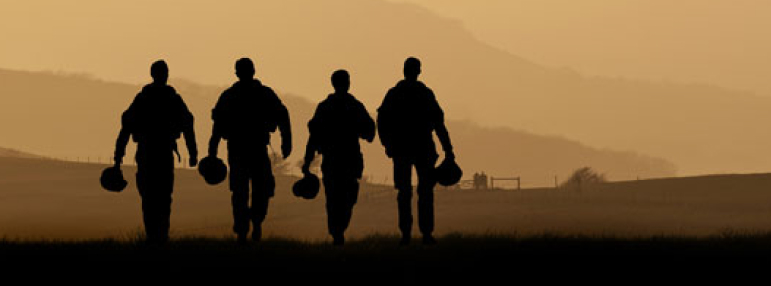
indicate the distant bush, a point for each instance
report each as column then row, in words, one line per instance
column 583, row 177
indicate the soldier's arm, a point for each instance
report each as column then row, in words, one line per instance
column 285, row 128
column 312, row 146
column 192, row 147
column 216, row 132
column 126, row 120
column 439, row 126
column 383, row 122
column 120, row 145
column 367, row 125
column 214, row 141
column 310, row 153
column 188, row 130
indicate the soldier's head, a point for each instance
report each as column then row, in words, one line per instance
column 244, row 69
column 160, row 72
column 411, row 68
column 341, row 81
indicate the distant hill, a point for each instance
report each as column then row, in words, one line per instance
column 77, row 117
column 297, row 44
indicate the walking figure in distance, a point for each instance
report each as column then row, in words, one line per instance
column 335, row 129
column 407, row 119
column 245, row 115
column 155, row 120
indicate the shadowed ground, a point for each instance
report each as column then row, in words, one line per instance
column 458, row 258
column 41, row 199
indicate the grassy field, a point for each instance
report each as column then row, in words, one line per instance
column 488, row 258
column 41, row 200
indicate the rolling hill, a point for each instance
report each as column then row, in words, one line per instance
column 77, row 118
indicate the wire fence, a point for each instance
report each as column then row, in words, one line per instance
column 293, row 169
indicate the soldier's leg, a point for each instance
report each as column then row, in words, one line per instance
column 262, row 192
column 426, row 182
column 239, row 187
column 263, row 188
column 351, row 194
column 156, row 204
column 145, row 192
column 403, row 184
column 333, row 204
column 166, row 188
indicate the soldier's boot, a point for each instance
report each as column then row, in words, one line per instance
column 257, row 232
column 258, row 210
column 241, row 238
column 406, row 237
column 404, row 202
column 429, row 239
column 338, row 239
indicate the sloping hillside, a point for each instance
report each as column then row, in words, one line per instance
column 46, row 199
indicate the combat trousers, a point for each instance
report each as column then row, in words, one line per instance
column 341, row 188
column 155, row 182
column 250, row 167
column 425, row 168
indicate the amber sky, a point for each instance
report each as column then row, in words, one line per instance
column 543, row 66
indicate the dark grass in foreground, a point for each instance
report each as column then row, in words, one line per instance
column 455, row 255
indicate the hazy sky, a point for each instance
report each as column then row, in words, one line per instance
column 481, row 58
column 721, row 42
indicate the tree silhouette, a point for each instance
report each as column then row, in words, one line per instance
column 583, row 177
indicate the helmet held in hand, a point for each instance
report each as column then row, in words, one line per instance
column 213, row 170
column 448, row 173
column 307, row 187
column 112, row 179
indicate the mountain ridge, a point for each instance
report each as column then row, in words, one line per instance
column 57, row 125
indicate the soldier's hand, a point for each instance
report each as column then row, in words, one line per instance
column 306, row 168
column 118, row 161
column 193, row 161
column 286, row 149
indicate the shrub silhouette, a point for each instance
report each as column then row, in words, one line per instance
column 583, row 177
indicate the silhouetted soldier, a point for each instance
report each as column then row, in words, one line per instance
column 406, row 119
column 155, row 120
column 335, row 129
column 245, row 115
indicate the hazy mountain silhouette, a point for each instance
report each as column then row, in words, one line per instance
column 297, row 43
column 59, row 122
column 716, row 42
